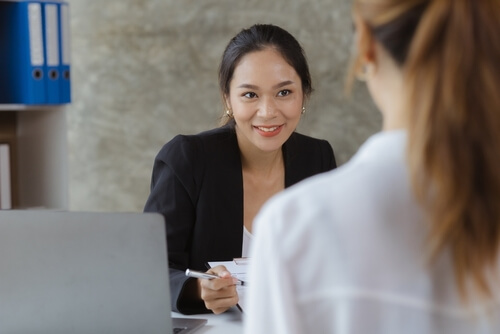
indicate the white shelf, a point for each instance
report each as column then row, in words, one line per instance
column 41, row 164
column 18, row 107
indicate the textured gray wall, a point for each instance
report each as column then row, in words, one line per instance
column 146, row 70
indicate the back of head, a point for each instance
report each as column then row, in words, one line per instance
column 449, row 53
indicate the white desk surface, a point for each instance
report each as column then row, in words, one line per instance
column 229, row 322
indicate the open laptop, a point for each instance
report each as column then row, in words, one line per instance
column 82, row 272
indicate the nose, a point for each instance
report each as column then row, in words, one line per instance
column 267, row 108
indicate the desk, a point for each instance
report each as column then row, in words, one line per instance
column 229, row 322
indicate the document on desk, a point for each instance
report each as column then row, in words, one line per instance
column 238, row 269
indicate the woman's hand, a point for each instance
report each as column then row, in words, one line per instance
column 218, row 294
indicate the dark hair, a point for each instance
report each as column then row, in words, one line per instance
column 256, row 38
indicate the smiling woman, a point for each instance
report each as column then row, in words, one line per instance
column 210, row 186
column 266, row 100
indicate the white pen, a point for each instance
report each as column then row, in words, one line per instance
column 199, row 274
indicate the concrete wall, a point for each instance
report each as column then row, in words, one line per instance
column 146, row 70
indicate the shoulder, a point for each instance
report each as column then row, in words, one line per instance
column 306, row 156
column 300, row 140
column 192, row 146
column 300, row 202
column 222, row 134
column 370, row 181
column 294, row 217
column 313, row 212
column 304, row 146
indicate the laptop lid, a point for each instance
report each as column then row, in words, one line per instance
column 83, row 272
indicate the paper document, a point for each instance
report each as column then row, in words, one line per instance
column 238, row 269
column 5, row 178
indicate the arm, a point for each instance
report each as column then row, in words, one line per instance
column 174, row 194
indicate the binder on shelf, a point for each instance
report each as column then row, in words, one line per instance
column 51, row 41
column 22, row 58
column 64, row 53
column 5, row 178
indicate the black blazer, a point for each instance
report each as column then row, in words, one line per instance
column 197, row 185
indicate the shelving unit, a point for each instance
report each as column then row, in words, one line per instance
column 36, row 59
column 39, row 167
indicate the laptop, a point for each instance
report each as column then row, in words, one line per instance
column 85, row 272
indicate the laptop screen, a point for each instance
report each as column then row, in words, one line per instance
column 82, row 272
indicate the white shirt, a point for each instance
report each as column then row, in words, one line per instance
column 344, row 252
column 247, row 241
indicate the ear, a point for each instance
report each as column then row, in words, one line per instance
column 365, row 42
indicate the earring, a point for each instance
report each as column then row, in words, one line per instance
column 303, row 110
column 229, row 113
column 362, row 72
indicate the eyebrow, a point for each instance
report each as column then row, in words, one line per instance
column 281, row 84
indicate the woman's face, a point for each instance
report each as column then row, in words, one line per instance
column 266, row 100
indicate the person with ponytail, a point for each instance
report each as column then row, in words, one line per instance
column 407, row 241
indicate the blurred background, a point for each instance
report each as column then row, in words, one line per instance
column 146, row 70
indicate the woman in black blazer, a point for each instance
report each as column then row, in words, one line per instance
column 210, row 186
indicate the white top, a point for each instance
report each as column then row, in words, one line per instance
column 247, row 241
column 343, row 252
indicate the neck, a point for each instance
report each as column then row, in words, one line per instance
column 386, row 85
column 393, row 120
column 392, row 101
column 257, row 161
column 263, row 163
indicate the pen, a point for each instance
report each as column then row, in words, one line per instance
column 199, row 274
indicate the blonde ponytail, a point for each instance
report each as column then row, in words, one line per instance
column 453, row 80
column 449, row 52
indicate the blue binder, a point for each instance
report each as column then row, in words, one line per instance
column 21, row 53
column 51, row 41
column 64, row 53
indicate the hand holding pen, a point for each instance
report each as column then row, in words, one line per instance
column 199, row 274
column 218, row 290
